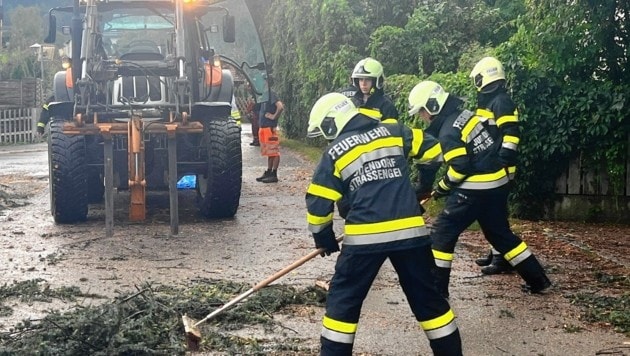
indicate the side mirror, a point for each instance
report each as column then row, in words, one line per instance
column 52, row 29
column 229, row 29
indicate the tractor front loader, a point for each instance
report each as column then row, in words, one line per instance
column 145, row 100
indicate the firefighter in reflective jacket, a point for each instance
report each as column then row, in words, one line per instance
column 475, row 186
column 496, row 105
column 44, row 116
column 369, row 79
column 366, row 163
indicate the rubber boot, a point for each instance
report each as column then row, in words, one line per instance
column 271, row 178
column 497, row 266
column 536, row 281
column 441, row 277
column 265, row 175
column 484, row 261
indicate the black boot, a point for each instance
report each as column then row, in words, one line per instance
column 271, row 178
column 484, row 261
column 265, row 175
column 441, row 277
column 497, row 266
column 536, row 280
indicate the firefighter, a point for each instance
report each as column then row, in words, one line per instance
column 496, row 105
column 366, row 163
column 368, row 78
column 475, row 186
column 44, row 115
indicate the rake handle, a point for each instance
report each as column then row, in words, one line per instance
column 266, row 282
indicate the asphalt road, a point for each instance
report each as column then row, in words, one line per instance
column 269, row 232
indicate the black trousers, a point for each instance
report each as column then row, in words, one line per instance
column 490, row 209
column 354, row 274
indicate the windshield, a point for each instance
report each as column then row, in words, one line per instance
column 246, row 52
column 135, row 30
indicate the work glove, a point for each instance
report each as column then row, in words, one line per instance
column 40, row 129
column 326, row 239
column 442, row 189
column 422, row 192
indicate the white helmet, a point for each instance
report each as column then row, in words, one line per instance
column 329, row 115
column 369, row 68
column 487, row 70
column 427, row 95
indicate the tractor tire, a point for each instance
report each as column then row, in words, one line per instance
column 219, row 191
column 68, row 175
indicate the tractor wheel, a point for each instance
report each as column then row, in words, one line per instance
column 219, row 190
column 68, row 175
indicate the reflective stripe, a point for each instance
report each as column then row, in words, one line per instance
column 509, row 146
column 485, row 113
column 318, row 220
column 472, row 125
column 317, row 228
column 444, row 331
column 505, row 119
column 41, row 124
column 485, row 181
column 390, row 120
column 374, row 113
column 454, row 176
column 384, row 226
column 382, row 237
column 443, row 185
column 356, row 152
column 337, row 336
column 473, row 133
column 324, row 192
column 318, row 223
column 416, row 143
column 341, row 326
column 512, row 139
column 432, row 154
column 348, row 170
column 443, row 259
column 438, row 322
column 518, row 254
column 460, row 151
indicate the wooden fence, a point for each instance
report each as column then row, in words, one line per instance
column 586, row 193
column 18, row 125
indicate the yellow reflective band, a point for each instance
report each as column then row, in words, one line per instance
column 41, row 124
column 357, row 151
column 340, row 326
column 385, row 226
column 470, row 125
column 443, row 185
column 390, row 120
column 505, row 119
column 45, row 106
column 452, row 173
column 460, row 151
column 487, row 177
column 511, row 139
column 371, row 113
column 236, row 115
column 485, row 113
column 438, row 322
column 416, row 143
column 445, row 256
column 511, row 169
column 516, row 251
column 432, row 153
column 318, row 220
column 323, row 192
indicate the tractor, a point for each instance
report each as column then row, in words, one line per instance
column 145, row 99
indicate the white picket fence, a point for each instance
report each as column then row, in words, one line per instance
column 18, row 125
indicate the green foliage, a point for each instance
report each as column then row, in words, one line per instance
column 570, row 100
